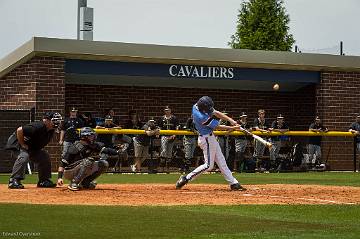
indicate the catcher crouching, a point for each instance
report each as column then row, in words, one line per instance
column 84, row 161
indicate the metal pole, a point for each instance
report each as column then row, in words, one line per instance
column 81, row 3
column 296, row 48
column 354, row 154
column 341, row 48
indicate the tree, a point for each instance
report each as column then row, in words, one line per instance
column 262, row 25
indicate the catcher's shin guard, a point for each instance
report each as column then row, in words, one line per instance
column 88, row 181
column 85, row 166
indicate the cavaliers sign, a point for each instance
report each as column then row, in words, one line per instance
column 190, row 71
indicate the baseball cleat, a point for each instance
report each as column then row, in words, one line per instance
column 91, row 185
column 46, row 184
column 237, row 187
column 181, row 182
column 74, row 187
column 15, row 184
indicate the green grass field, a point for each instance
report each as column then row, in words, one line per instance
column 242, row 221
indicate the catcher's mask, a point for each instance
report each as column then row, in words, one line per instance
column 87, row 134
column 54, row 117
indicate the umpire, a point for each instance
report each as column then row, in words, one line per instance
column 29, row 141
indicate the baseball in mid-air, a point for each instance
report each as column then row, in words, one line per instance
column 276, row 87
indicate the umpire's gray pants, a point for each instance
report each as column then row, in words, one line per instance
column 166, row 147
column 189, row 146
column 40, row 157
column 84, row 169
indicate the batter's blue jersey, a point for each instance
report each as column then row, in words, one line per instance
column 204, row 123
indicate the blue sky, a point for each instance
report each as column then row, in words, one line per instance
column 318, row 26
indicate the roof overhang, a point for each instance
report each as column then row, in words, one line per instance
column 147, row 53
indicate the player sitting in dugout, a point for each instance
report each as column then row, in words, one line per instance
column 84, row 161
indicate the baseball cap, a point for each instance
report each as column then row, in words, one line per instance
column 243, row 114
column 108, row 117
column 167, row 108
column 317, row 118
column 280, row 117
column 73, row 109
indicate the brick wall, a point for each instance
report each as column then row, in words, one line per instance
column 37, row 83
column 297, row 107
column 40, row 83
column 337, row 104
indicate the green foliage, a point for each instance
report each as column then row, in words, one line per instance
column 262, row 25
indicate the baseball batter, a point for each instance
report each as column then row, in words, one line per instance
column 204, row 116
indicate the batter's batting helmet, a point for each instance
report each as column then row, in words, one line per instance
column 205, row 104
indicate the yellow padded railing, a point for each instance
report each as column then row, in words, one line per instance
column 234, row 133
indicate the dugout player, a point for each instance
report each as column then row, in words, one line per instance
column 190, row 143
column 142, row 143
column 260, row 124
column 88, row 120
column 167, row 122
column 204, row 116
column 28, row 141
column 355, row 129
column 314, row 147
column 278, row 125
column 68, row 133
column 224, row 142
column 84, row 161
column 133, row 122
column 107, row 139
column 241, row 142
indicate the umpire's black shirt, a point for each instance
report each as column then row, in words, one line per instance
column 70, row 125
column 36, row 135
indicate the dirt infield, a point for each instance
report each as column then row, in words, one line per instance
column 192, row 194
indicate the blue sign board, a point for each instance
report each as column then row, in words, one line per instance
column 188, row 71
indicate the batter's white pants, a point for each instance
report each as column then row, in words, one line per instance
column 212, row 154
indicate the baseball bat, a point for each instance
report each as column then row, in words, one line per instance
column 258, row 138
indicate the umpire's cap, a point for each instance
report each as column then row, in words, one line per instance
column 55, row 117
column 205, row 104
